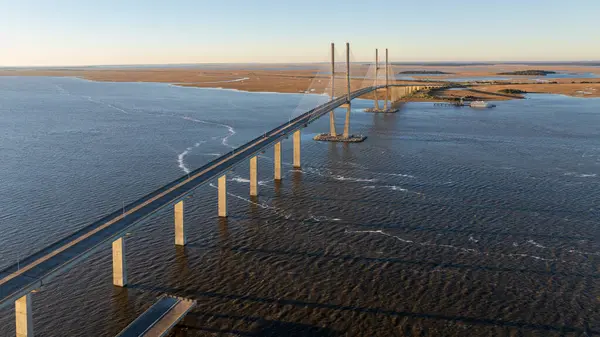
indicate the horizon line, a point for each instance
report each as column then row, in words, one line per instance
column 301, row 63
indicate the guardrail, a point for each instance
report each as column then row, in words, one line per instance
column 39, row 268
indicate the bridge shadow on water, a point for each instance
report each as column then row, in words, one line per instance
column 276, row 328
column 258, row 326
column 420, row 263
column 204, row 320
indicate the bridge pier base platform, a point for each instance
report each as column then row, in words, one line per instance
column 325, row 137
column 385, row 111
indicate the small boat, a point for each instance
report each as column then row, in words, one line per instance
column 481, row 105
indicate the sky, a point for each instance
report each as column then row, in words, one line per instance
column 105, row 32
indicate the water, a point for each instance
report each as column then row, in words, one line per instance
column 571, row 75
column 437, row 77
column 457, row 79
column 446, row 221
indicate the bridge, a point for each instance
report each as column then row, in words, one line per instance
column 19, row 281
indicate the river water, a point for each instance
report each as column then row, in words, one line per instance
column 445, row 222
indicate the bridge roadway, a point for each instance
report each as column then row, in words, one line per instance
column 38, row 269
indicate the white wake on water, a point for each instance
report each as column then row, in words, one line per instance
column 468, row 250
column 382, row 233
column 342, row 178
column 65, row 92
column 62, row 90
column 390, row 187
column 581, row 175
column 181, row 156
column 239, row 179
column 393, row 174
column 180, row 162
column 277, row 211
column 536, row 244
column 106, row 104
column 224, row 140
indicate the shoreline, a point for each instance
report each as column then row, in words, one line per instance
column 295, row 81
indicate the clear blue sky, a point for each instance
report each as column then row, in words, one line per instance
column 85, row 32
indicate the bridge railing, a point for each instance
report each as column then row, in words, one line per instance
column 284, row 129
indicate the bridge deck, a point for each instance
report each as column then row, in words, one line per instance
column 38, row 269
column 159, row 319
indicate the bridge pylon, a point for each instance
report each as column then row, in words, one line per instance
column 375, row 98
column 386, row 107
column 332, row 131
column 332, row 136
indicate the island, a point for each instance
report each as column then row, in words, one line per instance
column 529, row 72
column 423, row 72
column 512, row 91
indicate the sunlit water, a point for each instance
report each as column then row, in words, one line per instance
column 446, row 221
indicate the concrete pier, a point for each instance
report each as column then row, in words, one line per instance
column 223, row 196
column 119, row 263
column 180, row 237
column 376, row 99
column 277, row 159
column 297, row 149
column 387, row 88
column 347, row 122
column 332, row 123
column 332, row 131
column 253, row 176
column 24, row 316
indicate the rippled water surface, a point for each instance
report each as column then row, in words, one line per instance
column 445, row 222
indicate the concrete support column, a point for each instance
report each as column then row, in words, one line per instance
column 119, row 263
column 387, row 88
column 223, row 196
column 297, row 149
column 347, row 122
column 376, row 99
column 348, row 69
column 24, row 316
column 180, row 237
column 254, row 176
column 277, row 155
column 332, row 131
